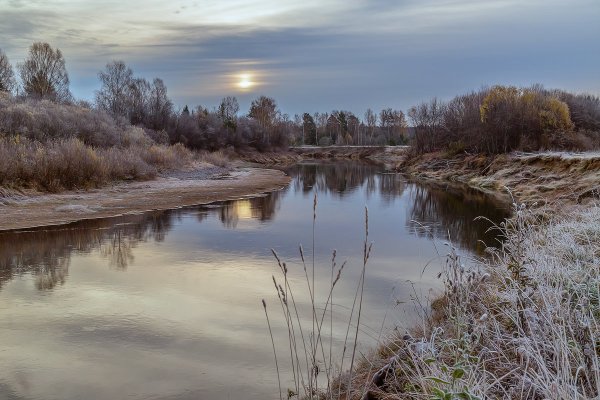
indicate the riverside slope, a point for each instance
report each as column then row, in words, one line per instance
column 543, row 178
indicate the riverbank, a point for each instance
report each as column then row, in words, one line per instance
column 28, row 209
column 522, row 323
column 373, row 153
column 546, row 178
column 390, row 156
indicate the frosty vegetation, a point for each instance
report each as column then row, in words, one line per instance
column 524, row 324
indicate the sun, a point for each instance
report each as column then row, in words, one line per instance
column 245, row 81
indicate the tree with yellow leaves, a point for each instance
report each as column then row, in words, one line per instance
column 501, row 116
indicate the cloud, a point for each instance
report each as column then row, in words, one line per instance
column 311, row 55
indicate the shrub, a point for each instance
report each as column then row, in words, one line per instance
column 165, row 157
column 44, row 120
column 218, row 158
column 70, row 164
column 65, row 163
column 50, row 146
column 126, row 164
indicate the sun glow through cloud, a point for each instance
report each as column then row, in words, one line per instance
column 245, row 82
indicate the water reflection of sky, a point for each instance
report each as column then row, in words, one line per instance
column 166, row 305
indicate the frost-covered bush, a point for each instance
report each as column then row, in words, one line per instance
column 43, row 120
column 70, row 164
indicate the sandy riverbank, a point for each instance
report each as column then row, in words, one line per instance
column 28, row 210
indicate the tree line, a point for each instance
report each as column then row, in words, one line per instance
column 501, row 119
column 492, row 120
column 146, row 104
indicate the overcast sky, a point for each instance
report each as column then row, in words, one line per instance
column 317, row 55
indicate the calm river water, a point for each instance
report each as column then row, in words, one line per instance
column 167, row 305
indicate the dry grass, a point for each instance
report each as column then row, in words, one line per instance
column 43, row 120
column 535, row 178
column 523, row 325
column 311, row 337
column 218, row 158
column 165, row 157
column 51, row 147
column 70, row 164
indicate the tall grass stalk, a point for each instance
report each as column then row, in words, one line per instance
column 366, row 253
column 314, row 221
column 311, row 350
column 264, row 303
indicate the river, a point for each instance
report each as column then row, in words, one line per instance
column 167, row 304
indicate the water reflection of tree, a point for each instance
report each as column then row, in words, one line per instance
column 451, row 213
column 118, row 250
column 46, row 253
column 337, row 178
column 445, row 212
column 51, row 273
column 391, row 186
column 342, row 178
column 44, row 256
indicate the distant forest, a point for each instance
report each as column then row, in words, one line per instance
column 497, row 119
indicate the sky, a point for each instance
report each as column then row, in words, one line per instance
column 316, row 55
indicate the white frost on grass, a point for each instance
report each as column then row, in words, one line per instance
column 75, row 208
column 525, row 324
column 565, row 155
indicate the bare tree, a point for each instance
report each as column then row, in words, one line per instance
column 116, row 83
column 321, row 121
column 138, row 100
column 585, row 109
column 264, row 111
column 371, row 122
column 501, row 117
column 228, row 110
column 160, row 106
column 7, row 77
column 333, row 127
column 393, row 125
column 462, row 120
column 427, row 119
column 400, row 131
column 353, row 128
column 44, row 74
